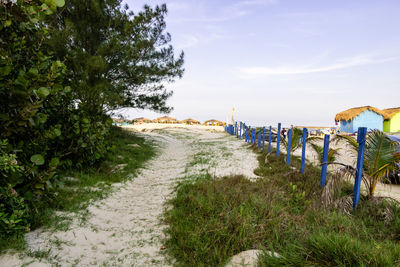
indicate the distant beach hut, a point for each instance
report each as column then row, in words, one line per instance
column 366, row 116
column 165, row 119
column 213, row 123
column 391, row 121
column 141, row 120
column 190, row 121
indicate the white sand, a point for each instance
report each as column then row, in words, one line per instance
column 125, row 228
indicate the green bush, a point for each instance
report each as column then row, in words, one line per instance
column 42, row 127
column 14, row 217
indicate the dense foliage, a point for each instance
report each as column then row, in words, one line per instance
column 63, row 67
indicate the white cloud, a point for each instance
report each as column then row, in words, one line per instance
column 226, row 13
column 256, row 2
column 342, row 64
column 188, row 41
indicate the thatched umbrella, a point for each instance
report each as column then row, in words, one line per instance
column 142, row 120
column 213, row 122
column 165, row 119
column 190, row 121
column 350, row 114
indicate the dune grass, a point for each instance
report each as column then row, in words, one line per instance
column 214, row 219
column 81, row 187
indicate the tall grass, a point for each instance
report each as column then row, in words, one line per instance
column 212, row 219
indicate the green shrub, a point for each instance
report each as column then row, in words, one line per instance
column 13, row 213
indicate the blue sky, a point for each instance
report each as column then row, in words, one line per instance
column 292, row 61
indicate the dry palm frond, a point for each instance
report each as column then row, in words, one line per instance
column 333, row 188
column 344, row 205
column 383, row 207
column 350, row 114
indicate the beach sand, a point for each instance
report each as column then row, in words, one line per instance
column 126, row 228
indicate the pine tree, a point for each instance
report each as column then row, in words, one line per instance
column 117, row 58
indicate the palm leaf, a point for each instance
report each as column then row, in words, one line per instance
column 348, row 140
column 332, row 153
column 296, row 138
column 379, row 158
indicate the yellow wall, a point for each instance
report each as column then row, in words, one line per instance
column 392, row 125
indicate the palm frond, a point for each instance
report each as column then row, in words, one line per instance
column 296, row 138
column 348, row 140
column 379, row 158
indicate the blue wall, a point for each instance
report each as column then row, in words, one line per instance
column 368, row 119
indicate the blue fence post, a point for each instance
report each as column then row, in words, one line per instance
column 362, row 131
column 254, row 135
column 259, row 138
column 263, row 138
column 289, row 147
column 303, row 152
column 269, row 139
column 278, row 139
column 248, row 134
column 325, row 160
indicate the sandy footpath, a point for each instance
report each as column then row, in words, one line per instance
column 125, row 229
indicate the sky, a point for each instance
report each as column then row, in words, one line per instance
column 292, row 61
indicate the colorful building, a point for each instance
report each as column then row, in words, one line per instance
column 350, row 120
column 391, row 121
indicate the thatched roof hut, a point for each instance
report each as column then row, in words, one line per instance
column 350, row 114
column 190, row 121
column 367, row 116
column 213, row 122
column 165, row 119
column 390, row 113
column 391, row 118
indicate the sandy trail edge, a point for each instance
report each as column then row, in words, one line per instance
column 125, row 229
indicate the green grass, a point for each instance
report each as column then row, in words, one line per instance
column 83, row 187
column 214, row 219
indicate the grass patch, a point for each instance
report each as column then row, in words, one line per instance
column 214, row 219
column 83, row 187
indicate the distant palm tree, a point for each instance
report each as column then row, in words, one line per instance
column 332, row 153
column 380, row 157
column 296, row 140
